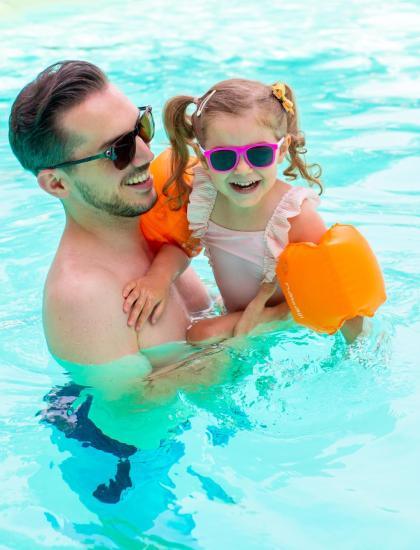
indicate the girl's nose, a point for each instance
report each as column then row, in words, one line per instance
column 243, row 167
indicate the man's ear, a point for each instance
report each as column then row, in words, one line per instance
column 53, row 182
column 284, row 147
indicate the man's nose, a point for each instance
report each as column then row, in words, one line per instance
column 143, row 154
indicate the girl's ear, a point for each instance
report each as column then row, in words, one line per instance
column 53, row 183
column 284, row 147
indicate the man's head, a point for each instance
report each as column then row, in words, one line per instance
column 69, row 112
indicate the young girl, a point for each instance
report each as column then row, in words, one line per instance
column 238, row 209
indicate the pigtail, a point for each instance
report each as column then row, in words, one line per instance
column 297, row 149
column 180, row 133
column 309, row 172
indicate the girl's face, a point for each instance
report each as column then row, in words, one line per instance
column 245, row 185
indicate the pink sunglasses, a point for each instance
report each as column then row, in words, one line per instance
column 257, row 155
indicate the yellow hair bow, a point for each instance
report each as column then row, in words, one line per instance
column 279, row 91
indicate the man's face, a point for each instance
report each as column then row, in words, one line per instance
column 96, row 123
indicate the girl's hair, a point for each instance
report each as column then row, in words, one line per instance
column 234, row 97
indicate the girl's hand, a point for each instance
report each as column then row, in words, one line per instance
column 144, row 297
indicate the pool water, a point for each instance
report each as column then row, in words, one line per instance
column 289, row 440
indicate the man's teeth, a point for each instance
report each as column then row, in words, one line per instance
column 138, row 178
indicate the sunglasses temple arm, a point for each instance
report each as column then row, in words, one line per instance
column 73, row 162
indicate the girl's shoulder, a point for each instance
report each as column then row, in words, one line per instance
column 298, row 206
column 292, row 199
column 290, row 221
column 293, row 202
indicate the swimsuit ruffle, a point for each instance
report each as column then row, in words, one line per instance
column 276, row 234
column 202, row 199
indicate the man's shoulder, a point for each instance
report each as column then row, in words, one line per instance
column 73, row 281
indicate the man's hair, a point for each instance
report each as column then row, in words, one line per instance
column 35, row 135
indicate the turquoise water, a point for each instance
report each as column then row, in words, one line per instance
column 291, row 441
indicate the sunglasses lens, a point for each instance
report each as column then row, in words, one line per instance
column 223, row 161
column 124, row 150
column 125, row 147
column 260, row 156
column 147, row 126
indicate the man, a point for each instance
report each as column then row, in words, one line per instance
column 88, row 146
column 67, row 115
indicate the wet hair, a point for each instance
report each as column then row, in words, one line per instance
column 233, row 97
column 35, row 135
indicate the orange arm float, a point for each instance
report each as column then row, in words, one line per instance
column 161, row 225
column 329, row 283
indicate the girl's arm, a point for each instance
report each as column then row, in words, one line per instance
column 147, row 295
column 352, row 329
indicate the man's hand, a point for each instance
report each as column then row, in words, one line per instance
column 253, row 313
column 215, row 329
column 250, row 318
column 145, row 297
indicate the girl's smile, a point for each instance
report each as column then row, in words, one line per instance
column 245, row 187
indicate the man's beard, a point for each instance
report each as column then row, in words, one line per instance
column 115, row 206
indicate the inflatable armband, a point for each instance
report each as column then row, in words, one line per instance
column 162, row 225
column 329, row 283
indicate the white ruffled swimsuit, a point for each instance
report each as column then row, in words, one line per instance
column 242, row 260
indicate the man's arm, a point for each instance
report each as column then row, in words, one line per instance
column 216, row 329
column 83, row 320
column 250, row 316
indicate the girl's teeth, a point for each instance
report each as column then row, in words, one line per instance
column 247, row 184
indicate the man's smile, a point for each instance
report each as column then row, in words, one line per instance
column 141, row 179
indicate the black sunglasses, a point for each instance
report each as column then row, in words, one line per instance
column 122, row 151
